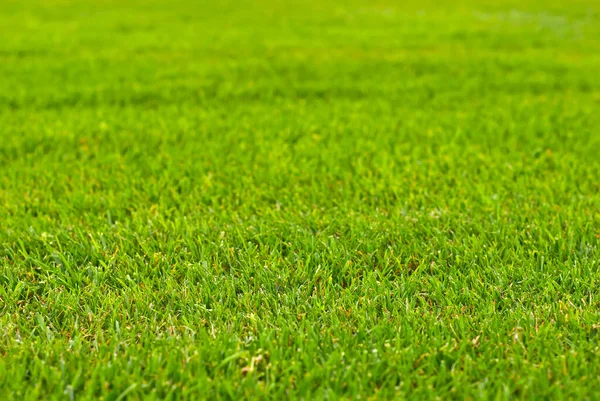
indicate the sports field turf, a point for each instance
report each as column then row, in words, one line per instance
column 299, row 199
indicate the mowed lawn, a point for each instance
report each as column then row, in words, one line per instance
column 299, row 199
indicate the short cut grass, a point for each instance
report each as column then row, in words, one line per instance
column 299, row 199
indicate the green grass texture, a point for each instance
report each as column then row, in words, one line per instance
column 303, row 200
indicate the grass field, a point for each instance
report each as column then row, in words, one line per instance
column 299, row 199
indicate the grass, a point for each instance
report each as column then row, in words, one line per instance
column 299, row 200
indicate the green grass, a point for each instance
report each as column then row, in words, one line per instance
column 299, row 200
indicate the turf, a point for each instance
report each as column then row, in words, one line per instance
column 299, row 199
